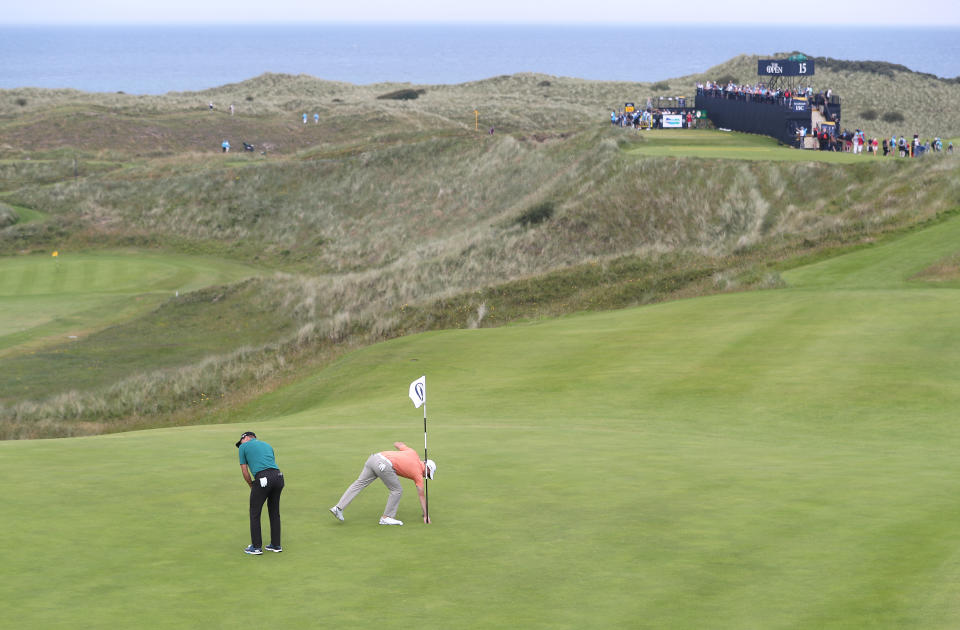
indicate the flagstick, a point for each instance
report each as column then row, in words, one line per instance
column 426, row 482
column 418, row 395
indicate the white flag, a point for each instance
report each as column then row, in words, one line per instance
column 418, row 391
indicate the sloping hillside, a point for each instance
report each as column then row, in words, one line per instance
column 390, row 217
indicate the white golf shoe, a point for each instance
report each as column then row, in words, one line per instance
column 337, row 512
column 386, row 520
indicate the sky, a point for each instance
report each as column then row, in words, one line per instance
column 802, row 13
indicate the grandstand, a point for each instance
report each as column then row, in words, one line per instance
column 773, row 108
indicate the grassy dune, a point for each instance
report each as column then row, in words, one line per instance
column 768, row 459
column 390, row 218
column 419, row 234
column 268, row 108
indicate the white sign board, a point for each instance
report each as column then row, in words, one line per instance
column 672, row 121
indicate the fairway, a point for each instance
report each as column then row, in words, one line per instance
column 702, row 143
column 46, row 299
column 775, row 459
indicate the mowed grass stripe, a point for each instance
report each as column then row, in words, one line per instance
column 114, row 272
column 46, row 298
column 24, row 276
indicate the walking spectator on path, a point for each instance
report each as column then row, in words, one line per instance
column 225, row 146
column 231, row 109
column 304, row 117
column 266, row 483
column 316, row 119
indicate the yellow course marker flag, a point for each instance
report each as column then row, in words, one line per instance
column 55, row 254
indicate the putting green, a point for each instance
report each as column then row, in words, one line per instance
column 28, row 215
column 776, row 459
column 45, row 298
column 702, row 143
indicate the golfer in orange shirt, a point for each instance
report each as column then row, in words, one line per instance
column 389, row 466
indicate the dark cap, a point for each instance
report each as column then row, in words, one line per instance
column 245, row 434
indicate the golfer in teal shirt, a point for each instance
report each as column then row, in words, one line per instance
column 258, row 464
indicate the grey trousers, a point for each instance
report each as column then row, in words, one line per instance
column 376, row 466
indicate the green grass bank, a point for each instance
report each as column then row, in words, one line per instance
column 780, row 458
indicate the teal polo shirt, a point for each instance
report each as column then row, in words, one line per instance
column 257, row 456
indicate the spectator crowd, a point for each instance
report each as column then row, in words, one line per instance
column 857, row 142
column 760, row 93
column 653, row 118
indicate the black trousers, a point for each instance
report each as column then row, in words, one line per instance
column 271, row 495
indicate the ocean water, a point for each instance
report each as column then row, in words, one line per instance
column 160, row 59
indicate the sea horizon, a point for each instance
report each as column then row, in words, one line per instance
column 160, row 58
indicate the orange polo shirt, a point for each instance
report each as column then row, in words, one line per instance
column 406, row 463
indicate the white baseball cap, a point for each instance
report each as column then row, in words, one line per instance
column 431, row 468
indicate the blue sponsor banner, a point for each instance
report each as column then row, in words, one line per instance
column 800, row 105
